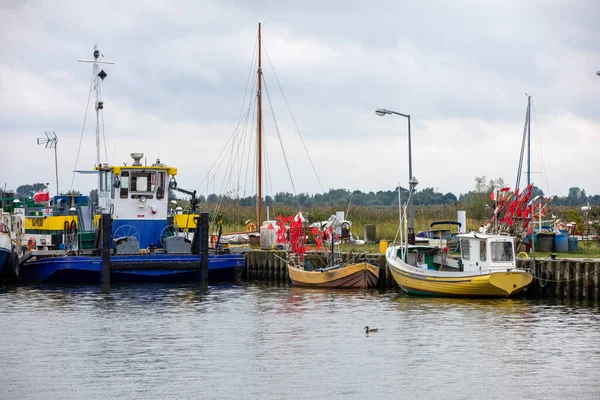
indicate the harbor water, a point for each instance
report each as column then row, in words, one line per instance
column 277, row 342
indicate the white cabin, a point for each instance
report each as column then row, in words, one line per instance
column 480, row 251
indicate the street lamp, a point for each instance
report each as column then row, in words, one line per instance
column 412, row 182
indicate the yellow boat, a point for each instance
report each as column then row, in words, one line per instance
column 486, row 268
column 357, row 275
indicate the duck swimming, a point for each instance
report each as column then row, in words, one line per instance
column 367, row 330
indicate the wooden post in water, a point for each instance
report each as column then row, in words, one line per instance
column 557, row 274
column 595, row 274
column 579, row 284
column 204, row 247
column 105, row 229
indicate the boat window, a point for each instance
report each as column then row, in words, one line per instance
column 142, row 182
column 124, row 189
column 464, row 246
column 160, row 187
column 105, row 181
column 482, row 251
column 502, row 251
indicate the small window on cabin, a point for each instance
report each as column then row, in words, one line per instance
column 465, row 249
column 142, row 182
column 124, row 187
column 160, row 188
column 482, row 251
column 502, row 251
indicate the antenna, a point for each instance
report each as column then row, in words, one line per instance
column 99, row 76
column 50, row 141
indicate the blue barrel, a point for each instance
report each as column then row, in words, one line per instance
column 573, row 244
column 561, row 243
column 545, row 242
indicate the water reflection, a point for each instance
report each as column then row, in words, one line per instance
column 258, row 341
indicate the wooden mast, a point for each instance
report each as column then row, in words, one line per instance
column 259, row 137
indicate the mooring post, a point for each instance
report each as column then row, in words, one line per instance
column 105, row 221
column 204, row 247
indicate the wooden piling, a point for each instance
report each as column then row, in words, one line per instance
column 595, row 279
column 204, row 247
column 105, row 227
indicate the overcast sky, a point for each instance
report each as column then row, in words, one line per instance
column 460, row 68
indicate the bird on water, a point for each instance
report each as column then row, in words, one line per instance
column 371, row 330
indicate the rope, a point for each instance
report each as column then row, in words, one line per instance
column 527, row 122
column 281, row 144
column 539, row 145
column 102, row 117
column 585, row 275
column 82, row 130
column 293, row 119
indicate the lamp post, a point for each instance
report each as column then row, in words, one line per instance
column 412, row 181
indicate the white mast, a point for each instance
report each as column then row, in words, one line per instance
column 98, row 78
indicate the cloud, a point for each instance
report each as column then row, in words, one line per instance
column 459, row 68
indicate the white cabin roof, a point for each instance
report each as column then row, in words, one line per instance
column 484, row 236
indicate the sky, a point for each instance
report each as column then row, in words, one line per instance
column 461, row 69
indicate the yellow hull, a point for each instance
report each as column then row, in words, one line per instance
column 49, row 223
column 491, row 284
column 352, row 275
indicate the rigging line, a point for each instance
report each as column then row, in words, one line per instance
column 217, row 160
column 102, row 117
column 252, row 67
column 519, row 171
column 281, row 144
column 269, row 182
column 232, row 136
column 349, row 204
column 242, row 145
column 82, row 129
column 250, row 152
column 293, row 119
column 543, row 166
column 248, row 134
column 231, row 167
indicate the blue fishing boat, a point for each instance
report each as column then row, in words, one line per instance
column 8, row 256
column 133, row 234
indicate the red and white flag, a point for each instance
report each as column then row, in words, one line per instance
column 42, row 196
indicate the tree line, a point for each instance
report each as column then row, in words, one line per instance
column 478, row 197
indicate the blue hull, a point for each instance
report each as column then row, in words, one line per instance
column 148, row 268
column 4, row 253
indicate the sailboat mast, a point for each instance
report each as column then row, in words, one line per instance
column 528, row 140
column 259, row 135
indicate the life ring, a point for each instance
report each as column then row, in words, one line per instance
column 251, row 227
column 213, row 241
column 522, row 253
column 545, row 278
column 31, row 243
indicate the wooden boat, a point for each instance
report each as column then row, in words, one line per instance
column 355, row 275
column 486, row 267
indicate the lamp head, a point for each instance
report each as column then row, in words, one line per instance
column 598, row 73
column 381, row 112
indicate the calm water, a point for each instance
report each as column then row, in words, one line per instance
column 233, row 342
